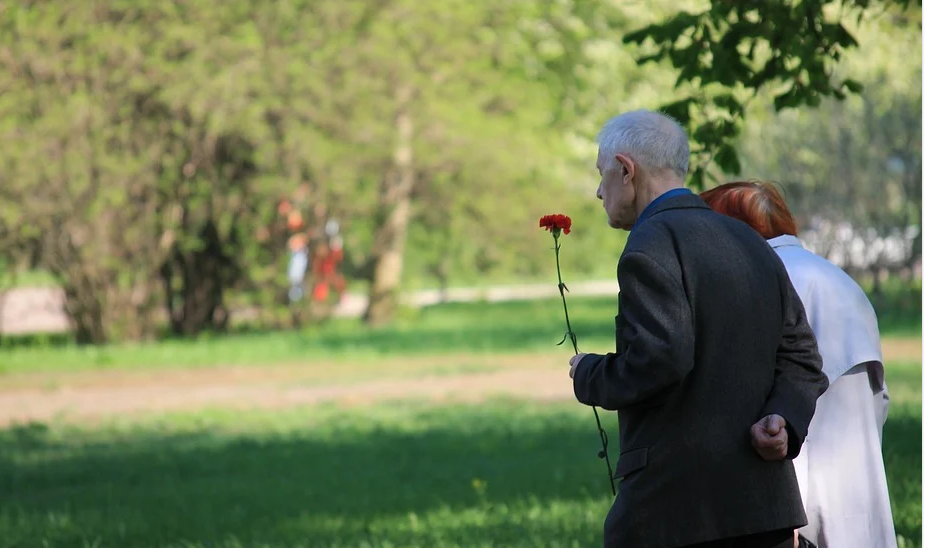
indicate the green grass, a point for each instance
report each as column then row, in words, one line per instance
column 902, row 447
column 450, row 328
column 477, row 327
column 502, row 474
column 410, row 474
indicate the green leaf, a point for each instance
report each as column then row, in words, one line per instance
column 665, row 32
column 844, row 38
column 640, row 36
column 706, row 133
column 653, row 57
column 853, row 86
column 787, row 99
column 679, row 24
column 696, row 180
column 728, row 102
column 728, row 159
column 680, row 110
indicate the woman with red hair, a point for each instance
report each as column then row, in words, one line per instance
column 840, row 469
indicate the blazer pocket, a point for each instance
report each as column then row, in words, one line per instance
column 631, row 461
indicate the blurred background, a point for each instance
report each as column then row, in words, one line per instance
column 271, row 275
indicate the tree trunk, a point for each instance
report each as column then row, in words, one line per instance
column 394, row 213
column 197, row 305
column 84, row 293
column 443, row 279
column 84, row 309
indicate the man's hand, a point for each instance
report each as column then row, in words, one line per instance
column 573, row 363
column 769, row 437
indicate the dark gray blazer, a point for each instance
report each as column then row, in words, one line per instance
column 711, row 338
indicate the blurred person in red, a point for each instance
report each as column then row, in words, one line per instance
column 336, row 260
column 320, row 269
column 328, row 257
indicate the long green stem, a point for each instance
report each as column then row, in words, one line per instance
column 568, row 325
column 571, row 335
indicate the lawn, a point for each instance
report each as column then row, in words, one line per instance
column 476, row 327
column 408, row 474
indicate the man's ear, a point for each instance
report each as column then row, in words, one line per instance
column 629, row 167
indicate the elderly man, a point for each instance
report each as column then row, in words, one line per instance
column 711, row 337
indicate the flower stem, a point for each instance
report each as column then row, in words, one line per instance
column 571, row 335
column 568, row 325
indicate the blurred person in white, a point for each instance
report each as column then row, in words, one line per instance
column 840, row 470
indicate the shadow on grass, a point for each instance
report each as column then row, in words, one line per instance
column 478, row 476
column 470, row 480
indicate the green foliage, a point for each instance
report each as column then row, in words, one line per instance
column 725, row 53
column 898, row 306
column 478, row 327
column 162, row 138
column 131, row 161
column 148, row 144
column 496, row 473
column 860, row 159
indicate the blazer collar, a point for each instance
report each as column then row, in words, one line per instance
column 680, row 201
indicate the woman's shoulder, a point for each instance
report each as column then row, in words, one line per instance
column 805, row 262
column 808, row 271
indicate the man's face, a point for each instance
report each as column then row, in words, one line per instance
column 616, row 190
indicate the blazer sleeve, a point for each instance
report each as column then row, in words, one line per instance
column 798, row 376
column 656, row 340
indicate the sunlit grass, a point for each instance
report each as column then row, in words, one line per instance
column 412, row 474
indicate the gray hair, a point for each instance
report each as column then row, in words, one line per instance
column 652, row 139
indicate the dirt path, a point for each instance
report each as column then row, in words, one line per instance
column 90, row 395
column 87, row 397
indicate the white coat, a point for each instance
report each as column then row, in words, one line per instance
column 840, row 468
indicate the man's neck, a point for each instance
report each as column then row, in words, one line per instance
column 652, row 191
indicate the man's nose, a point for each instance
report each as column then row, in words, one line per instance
column 599, row 197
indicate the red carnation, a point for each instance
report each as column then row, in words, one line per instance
column 556, row 222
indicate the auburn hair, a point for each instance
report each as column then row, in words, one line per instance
column 756, row 203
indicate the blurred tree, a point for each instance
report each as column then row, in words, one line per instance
column 75, row 168
column 148, row 144
column 460, row 109
column 163, row 135
column 132, row 160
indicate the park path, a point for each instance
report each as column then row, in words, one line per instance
column 93, row 395
column 90, row 395
column 40, row 309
